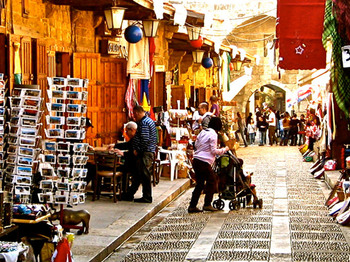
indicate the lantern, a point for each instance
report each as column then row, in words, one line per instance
column 193, row 32
column 150, row 27
column 114, row 17
column 133, row 34
column 197, row 56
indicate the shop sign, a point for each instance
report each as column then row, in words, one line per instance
column 346, row 56
column 113, row 48
column 160, row 68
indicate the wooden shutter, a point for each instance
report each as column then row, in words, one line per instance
column 26, row 61
column 40, row 64
column 86, row 65
column 112, row 98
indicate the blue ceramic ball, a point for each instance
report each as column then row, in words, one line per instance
column 207, row 62
column 133, row 34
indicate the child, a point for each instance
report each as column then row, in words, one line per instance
column 214, row 106
column 251, row 131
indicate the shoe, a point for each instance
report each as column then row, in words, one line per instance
column 194, row 210
column 142, row 200
column 209, row 208
column 126, row 197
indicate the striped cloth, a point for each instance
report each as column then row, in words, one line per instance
column 339, row 80
column 145, row 139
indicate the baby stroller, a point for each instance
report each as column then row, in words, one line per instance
column 233, row 184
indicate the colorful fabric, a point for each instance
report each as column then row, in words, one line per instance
column 130, row 98
column 300, row 46
column 340, row 81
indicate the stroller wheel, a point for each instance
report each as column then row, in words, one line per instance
column 234, row 205
column 219, row 204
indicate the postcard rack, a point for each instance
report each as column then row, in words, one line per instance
column 22, row 141
column 62, row 168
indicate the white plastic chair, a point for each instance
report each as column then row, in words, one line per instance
column 170, row 161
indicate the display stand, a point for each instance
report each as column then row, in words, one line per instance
column 64, row 152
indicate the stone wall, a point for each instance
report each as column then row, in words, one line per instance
column 64, row 29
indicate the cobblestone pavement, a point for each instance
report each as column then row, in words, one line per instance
column 293, row 224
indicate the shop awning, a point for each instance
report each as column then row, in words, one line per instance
column 235, row 87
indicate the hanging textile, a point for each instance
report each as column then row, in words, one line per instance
column 130, row 98
column 340, row 81
column 224, row 70
column 144, row 89
column 228, row 72
column 138, row 62
column 152, row 50
column 299, row 32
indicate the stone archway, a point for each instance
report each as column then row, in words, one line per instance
column 273, row 94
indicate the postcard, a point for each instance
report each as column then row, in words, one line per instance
column 76, row 82
column 73, row 108
column 50, row 146
column 63, row 146
column 27, row 131
column 50, row 159
column 26, row 151
column 55, row 120
column 25, row 161
column 30, row 113
column 24, row 170
column 56, row 107
column 31, row 92
column 72, row 134
column 54, row 133
column 63, row 172
column 34, row 103
column 27, row 141
column 63, row 159
column 14, row 130
column 80, row 147
column 29, row 122
column 22, row 190
column 73, row 95
column 12, row 149
column 61, row 197
column 58, row 81
column 79, row 172
column 47, row 172
column 73, row 121
column 12, row 140
column 23, row 180
column 45, row 197
column 74, row 199
column 46, row 184
column 82, row 198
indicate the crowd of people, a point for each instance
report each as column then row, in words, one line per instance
column 267, row 127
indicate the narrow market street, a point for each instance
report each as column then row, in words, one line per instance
column 293, row 224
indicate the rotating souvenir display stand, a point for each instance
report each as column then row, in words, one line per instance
column 62, row 169
column 22, row 142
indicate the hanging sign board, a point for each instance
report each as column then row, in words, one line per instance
column 346, row 56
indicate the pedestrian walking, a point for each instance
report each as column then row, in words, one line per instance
column 204, row 156
column 241, row 128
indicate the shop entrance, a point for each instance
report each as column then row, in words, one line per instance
column 107, row 87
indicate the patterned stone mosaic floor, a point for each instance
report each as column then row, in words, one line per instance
column 293, row 224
